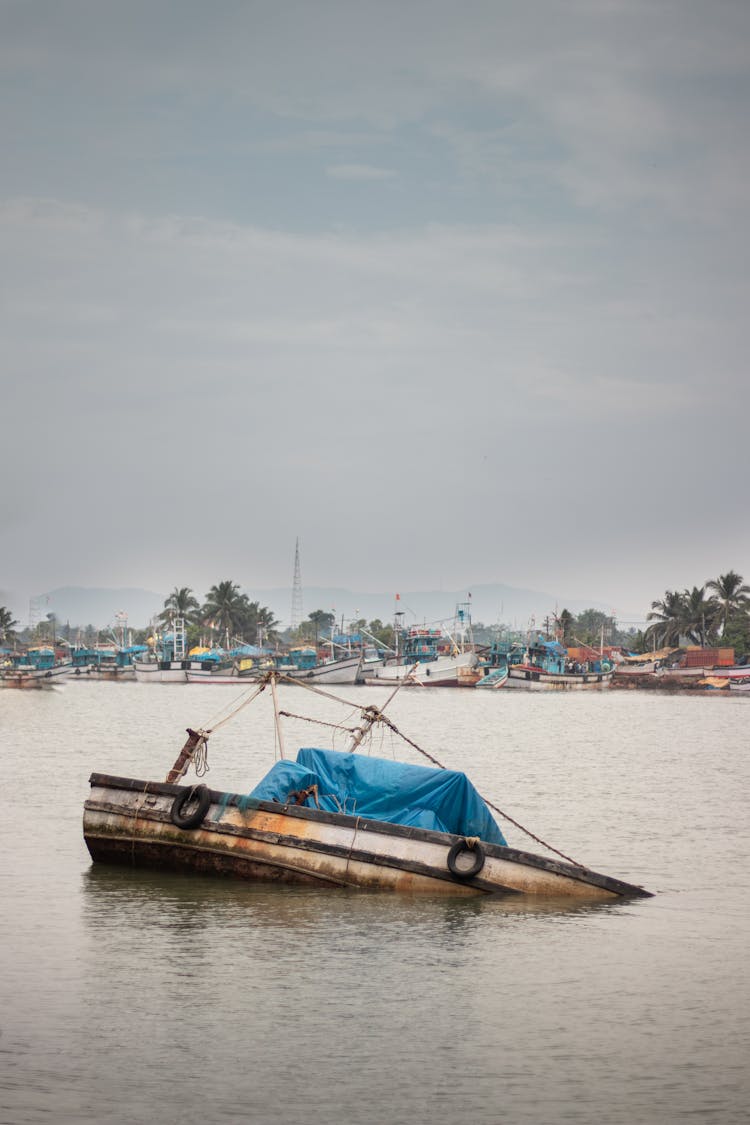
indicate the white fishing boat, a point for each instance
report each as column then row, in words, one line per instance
column 330, row 819
column 429, row 656
column 166, row 661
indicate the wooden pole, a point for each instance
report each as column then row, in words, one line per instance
column 276, row 713
column 184, row 757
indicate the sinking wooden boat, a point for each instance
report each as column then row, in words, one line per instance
column 133, row 822
column 330, row 819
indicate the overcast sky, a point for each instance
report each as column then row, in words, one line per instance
column 455, row 292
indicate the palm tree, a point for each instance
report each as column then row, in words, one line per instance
column 700, row 615
column 668, row 617
column 225, row 609
column 7, row 624
column 180, row 603
column 731, row 595
column 259, row 623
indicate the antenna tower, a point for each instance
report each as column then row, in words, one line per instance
column 297, row 611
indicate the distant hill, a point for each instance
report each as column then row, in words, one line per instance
column 490, row 604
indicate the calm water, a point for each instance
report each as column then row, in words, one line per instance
column 132, row 997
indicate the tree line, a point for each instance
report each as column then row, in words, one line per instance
column 716, row 613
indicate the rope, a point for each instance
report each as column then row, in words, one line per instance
column 317, row 722
column 200, row 755
column 215, row 726
column 370, row 715
column 515, row 823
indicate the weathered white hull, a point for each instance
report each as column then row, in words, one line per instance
column 530, row 679
column 445, row 671
column 103, row 673
column 160, row 672
column 636, row 669
column 206, row 676
column 129, row 821
column 731, row 673
column 337, row 672
column 34, row 677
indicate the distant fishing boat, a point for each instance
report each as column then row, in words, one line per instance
column 165, row 661
column 35, row 668
column 235, row 666
column 540, row 664
column 115, row 664
column 329, row 819
column 431, row 657
column 495, row 678
column 339, row 670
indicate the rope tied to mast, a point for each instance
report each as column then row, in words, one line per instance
column 527, row 832
column 370, row 716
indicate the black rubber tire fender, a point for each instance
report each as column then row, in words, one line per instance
column 187, row 796
column 458, row 849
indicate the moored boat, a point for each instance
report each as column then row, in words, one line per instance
column 495, row 678
column 545, row 666
column 329, row 819
column 165, row 661
column 114, row 663
column 340, row 670
column 431, row 657
column 35, row 668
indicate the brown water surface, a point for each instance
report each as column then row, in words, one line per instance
column 127, row 996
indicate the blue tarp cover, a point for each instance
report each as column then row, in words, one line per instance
column 379, row 789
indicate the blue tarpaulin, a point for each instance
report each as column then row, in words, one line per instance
column 379, row 789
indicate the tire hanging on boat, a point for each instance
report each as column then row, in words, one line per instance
column 186, row 797
column 458, row 849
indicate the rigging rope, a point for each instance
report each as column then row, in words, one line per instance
column 520, row 827
column 370, row 716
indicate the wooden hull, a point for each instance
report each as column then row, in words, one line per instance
column 494, row 679
column 729, row 673
column 446, row 671
column 129, row 821
column 221, row 678
column 160, row 672
column 103, row 673
column 337, row 672
column 34, row 677
column 528, row 679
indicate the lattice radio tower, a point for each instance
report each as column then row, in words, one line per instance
column 297, row 611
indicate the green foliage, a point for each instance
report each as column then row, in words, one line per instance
column 180, row 603
column 317, row 627
column 590, row 626
column 383, row 634
column 7, row 625
column 231, row 614
column 721, row 617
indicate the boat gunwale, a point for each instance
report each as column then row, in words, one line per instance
column 358, row 823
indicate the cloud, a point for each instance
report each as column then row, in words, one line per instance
column 359, row 172
column 554, row 277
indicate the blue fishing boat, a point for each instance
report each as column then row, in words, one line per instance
column 35, row 668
